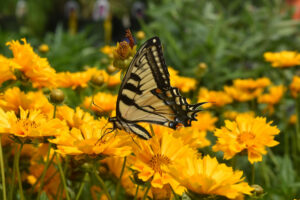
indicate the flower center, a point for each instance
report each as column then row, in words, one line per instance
column 245, row 136
column 26, row 125
column 157, row 161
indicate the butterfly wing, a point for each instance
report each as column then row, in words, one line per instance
column 145, row 94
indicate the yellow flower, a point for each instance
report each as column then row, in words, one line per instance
column 153, row 157
column 140, row 35
column 293, row 119
column 251, row 84
column 206, row 176
column 7, row 69
column 76, row 79
column 241, row 95
column 273, row 97
column 214, row 98
column 43, row 48
column 108, row 50
column 103, row 102
column 185, row 84
column 295, row 86
column 283, row 59
column 37, row 69
column 13, row 99
column 74, row 118
column 31, row 123
column 231, row 115
column 88, row 141
column 246, row 133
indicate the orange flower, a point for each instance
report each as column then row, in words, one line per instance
column 241, row 95
column 75, row 80
column 231, row 115
column 214, row 98
column 276, row 93
column 153, row 157
column 89, row 141
column 205, row 176
column 31, row 123
column 35, row 68
column 246, row 133
column 295, row 86
column 185, row 84
column 251, row 84
column 7, row 69
column 74, row 118
column 103, row 102
column 283, row 59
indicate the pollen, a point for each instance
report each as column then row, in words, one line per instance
column 157, row 161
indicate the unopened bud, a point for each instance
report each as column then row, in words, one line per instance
column 97, row 80
column 258, row 190
column 111, row 69
column 57, row 96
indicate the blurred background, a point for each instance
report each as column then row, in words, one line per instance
column 230, row 37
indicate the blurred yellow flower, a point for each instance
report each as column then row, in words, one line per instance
column 251, row 84
column 295, row 86
column 214, row 98
column 88, row 141
column 7, row 69
column 283, row 59
column 231, row 114
column 31, row 123
column 76, row 79
column 103, row 102
column 242, row 95
column 108, row 50
column 140, row 35
column 74, row 118
column 206, row 176
column 205, row 121
column 37, row 69
column 246, row 133
column 153, row 157
column 43, row 48
column 185, row 84
column 293, row 119
column 273, row 97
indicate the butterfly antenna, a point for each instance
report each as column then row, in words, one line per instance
column 97, row 105
column 105, row 133
column 135, row 141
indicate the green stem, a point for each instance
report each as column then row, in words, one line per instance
column 136, row 192
column 81, row 186
column 44, row 171
column 233, row 162
column 252, row 173
column 102, row 184
column 298, row 121
column 146, row 192
column 54, row 111
column 119, row 181
column 18, row 171
column 286, row 143
column 62, row 177
column 2, row 170
column 11, row 191
column 175, row 195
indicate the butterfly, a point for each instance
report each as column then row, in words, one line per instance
column 145, row 95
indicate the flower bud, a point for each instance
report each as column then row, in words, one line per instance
column 43, row 48
column 97, row 80
column 111, row 69
column 258, row 190
column 57, row 96
column 140, row 35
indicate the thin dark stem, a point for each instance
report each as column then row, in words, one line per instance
column 62, row 177
column 102, row 184
column 81, row 186
column 252, row 174
column 175, row 195
column 136, row 192
column 120, row 179
column 2, row 170
column 146, row 192
column 11, row 191
column 18, row 171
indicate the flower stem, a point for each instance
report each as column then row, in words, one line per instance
column 252, row 173
column 136, row 192
column 81, row 186
column 298, row 121
column 62, row 177
column 54, row 111
column 102, row 184
column 11, row 191
column 18, row 171
column 146, row 192
column 119, row 181
column 2, row 170
column 44, row 172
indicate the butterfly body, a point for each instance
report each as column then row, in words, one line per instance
column 145, row 95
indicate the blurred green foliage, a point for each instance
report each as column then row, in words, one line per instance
column 229, row 36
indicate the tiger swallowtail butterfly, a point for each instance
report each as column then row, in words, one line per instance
column 145, row 95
